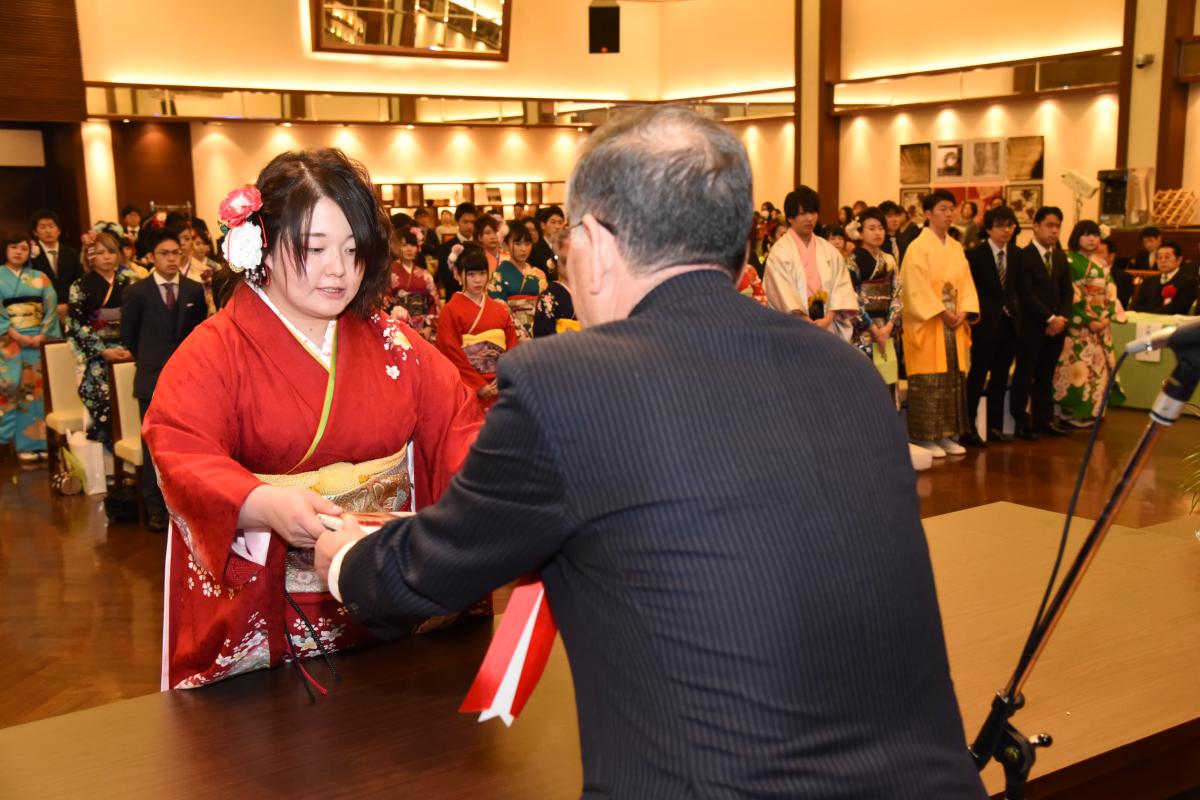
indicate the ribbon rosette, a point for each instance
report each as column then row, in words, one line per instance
column 516, row 657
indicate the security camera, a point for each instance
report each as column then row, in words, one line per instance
column 1080, row 184
column 1143, row 60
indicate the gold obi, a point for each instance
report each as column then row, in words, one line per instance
column 25, row 313
column 382, row 484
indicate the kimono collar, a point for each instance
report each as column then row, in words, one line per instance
column 323, row 352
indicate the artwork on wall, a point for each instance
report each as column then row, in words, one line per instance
column 1026, row 158
column 914, row 164
column 986, row 159
column 985, row 196
column 948, row 161
column 1024, row 200
column 910, row 201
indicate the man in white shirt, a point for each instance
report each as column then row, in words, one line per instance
column 57, row 260
column 805, row 275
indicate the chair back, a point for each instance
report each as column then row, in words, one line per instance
column 60, row 389
column 126, row 416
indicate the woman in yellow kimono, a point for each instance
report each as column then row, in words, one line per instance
column 939, row 299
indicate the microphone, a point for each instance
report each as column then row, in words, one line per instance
column 1173, row 337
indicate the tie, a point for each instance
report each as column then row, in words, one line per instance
column 1049, row 266
column 52, row 257
column 1000, row 266
column 170, row 287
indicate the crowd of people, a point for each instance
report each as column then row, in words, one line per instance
column 477, row 284
column 950, row 305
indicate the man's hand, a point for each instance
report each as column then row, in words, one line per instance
column 291, row 513
column 1056, row 326
column 331, row 542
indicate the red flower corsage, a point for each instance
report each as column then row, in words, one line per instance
column 1168, row 292
column 238, row 205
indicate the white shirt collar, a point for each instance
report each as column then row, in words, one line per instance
column 1168, row 276
column 1041, row 250
column 997, row 249
column 161, row 281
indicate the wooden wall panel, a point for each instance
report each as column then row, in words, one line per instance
column 1172, row 126
column 41, row 70
column 153, row 162
column 59, row 185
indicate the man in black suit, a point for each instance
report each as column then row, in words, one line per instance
column 1173, row 291
column 1045, row 294
column 722, row 642
column 1107, row 252
column 994, row 335
column 897, row 239
column 157, row 314
column 464, row 215
column 550, row 221
column 1151, row 241
column 59, row 261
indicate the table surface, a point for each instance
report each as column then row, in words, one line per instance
column 1124, row 666
column 1141, row 380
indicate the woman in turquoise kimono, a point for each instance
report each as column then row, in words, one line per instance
column 94, row 330
column 517, row 282
column 1087, row 356
column 28, row 316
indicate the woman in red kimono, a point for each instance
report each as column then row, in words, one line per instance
column 298, row 398
column 475, row 330
column 411, row 295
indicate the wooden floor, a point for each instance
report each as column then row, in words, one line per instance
column 81, row 617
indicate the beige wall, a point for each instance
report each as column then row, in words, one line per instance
column 100, row 173
column 718, row 46
column 886, row 39
column 266, row 44
column 227, row 156
column 1080, row 134
column 771, row 147
column 1145, row 88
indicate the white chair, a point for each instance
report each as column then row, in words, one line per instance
column 127, row 429
column 60, row 396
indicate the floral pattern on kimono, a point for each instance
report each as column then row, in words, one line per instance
column 1087, row 356
column 520, row 292
column 28, row 305
column 94, row 326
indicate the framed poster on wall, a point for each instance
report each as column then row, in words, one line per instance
column 914, row 164
column 1026, row 158
column 948, row 162
column 911, row 200
column 985, row 160
column 1024, row 200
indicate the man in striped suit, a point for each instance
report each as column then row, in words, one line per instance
column 741, row 620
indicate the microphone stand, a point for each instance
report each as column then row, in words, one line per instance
column 998, row 738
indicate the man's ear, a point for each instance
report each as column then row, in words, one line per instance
column 602, row 247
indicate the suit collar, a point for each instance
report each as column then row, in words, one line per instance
column 693, row 283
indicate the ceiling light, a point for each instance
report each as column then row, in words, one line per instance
column 409, row 127
column 287, row 124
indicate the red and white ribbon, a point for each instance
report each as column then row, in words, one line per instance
column 516, row 657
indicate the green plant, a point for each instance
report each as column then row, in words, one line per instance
column 1191, row 477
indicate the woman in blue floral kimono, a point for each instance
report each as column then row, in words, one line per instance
column 1087, row 356
column 94, row 329
column 28, row 316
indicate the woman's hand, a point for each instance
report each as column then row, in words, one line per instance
column 114, row 354
column 291, row 513
column 488, row 392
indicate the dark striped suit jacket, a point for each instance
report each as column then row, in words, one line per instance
column 741, row 618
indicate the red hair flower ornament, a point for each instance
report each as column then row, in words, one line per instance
column 245, row 239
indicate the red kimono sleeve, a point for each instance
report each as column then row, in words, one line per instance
column 449, row 342
column 191, row 430
column 448, row 420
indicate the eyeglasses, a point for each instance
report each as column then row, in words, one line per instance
column 168, row 253
column 608, row 227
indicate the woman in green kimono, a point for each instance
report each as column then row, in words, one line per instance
column 1087, row 356
column 28, row 316
column 517, row 282
column 94, row 330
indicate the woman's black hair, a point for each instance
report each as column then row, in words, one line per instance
column 518, row 232
column 1082, row 228
column 471, row 259
column 293, row 183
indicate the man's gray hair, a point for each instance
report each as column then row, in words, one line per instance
column 673, row 187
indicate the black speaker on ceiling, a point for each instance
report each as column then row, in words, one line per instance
column 604, row 29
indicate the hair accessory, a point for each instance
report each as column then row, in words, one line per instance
column 245, row 240
column 416, row 231
column 455, row 252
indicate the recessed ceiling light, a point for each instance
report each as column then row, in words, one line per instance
column 125, row 120
column 409, row 127
column 287, row 124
